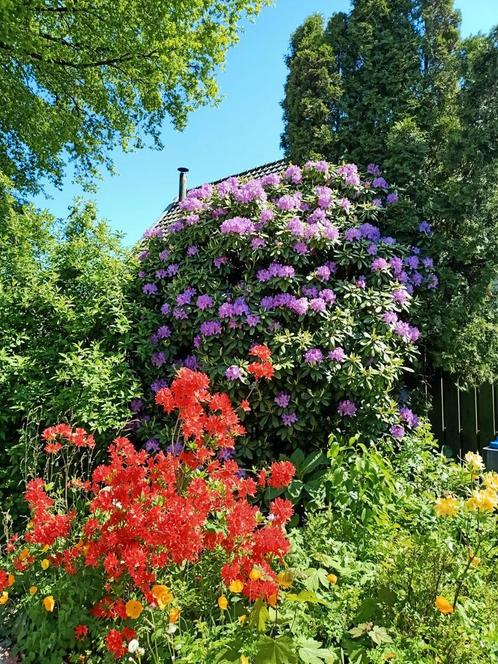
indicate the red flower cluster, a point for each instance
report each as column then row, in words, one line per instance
column 47, row 527
column 116, row 641
column 146, row 512
column 264, row 368
column 56, row 435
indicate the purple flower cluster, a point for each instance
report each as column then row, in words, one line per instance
column 211, row 328
column 275, row 270
column 282, row 399
column 237, row 226
column 313, row 356
column 347, row 408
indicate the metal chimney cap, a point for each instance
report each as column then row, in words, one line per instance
column 183, row 169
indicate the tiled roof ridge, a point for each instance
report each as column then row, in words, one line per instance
column 172, row 212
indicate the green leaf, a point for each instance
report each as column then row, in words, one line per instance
column 276, row 651
column 311, row 652
column 259, row 615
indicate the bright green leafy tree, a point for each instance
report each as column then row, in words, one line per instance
column 63, row 330
column 79, row 76
column 405, row 90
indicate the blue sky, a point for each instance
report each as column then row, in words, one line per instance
column 241, row 132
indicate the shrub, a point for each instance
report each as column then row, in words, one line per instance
column 296, row 261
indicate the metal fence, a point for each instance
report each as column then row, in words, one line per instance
column 463, row 420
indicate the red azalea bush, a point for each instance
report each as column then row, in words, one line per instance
column 146, row 515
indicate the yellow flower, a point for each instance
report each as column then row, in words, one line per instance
column 446, row 506
column 223, row 602
column 174, row 615
column 485, row 500
column 4, row 597
column 133, row 609
column 244, row 659
column 474, row 561
column 490, row 481
column 11, row 580
column 48, row 603
column 474, row 461
column 236, row 586
column 389, row 655
column 242, row 619
column 285, row 579
column 45, row 563
column 33, row 590
column 162, row 595
column 332, row 579
column 46, row 547
column 255, row 574
column 443, row 605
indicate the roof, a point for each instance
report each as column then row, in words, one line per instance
column 173, row 213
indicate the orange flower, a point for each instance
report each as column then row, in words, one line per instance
column 162, row 595
column 285, row 579
column 223, row 602
column 4, row 597
column 255, row 574
column 236, row 586
column 332, row 579
column 23, row 554
column 11, row 580
column 174, row 615
column 272, row 600
column 48, row 603
column 443, row 605
column 133, row 609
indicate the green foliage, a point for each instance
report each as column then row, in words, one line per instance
column 427, row 112
column 63, row 331
column 78, row 77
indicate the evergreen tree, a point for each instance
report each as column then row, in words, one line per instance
column 411, row 95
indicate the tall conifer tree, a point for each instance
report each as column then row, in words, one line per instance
column 410, row 94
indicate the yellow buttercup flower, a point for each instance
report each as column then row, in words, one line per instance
column 446, row 506
column 236, row 586
column 133, row 608
column 45, row 563
column 11, row 580
column 242, row 619
column 443, row 605
column 255, row 574
column 162, row 595
column 48, row 603
column 4, row 597
column 33, row 590
column 474, row 461
column 332, row 579
column 285, row 579
column 223, row 602
column 174, row 615
column 244, row 659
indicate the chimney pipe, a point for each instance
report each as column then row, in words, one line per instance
column 182, row 189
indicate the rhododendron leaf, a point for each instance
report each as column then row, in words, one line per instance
column 294, row 490
column 276, row 651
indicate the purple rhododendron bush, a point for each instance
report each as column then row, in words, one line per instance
column 297, row 260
